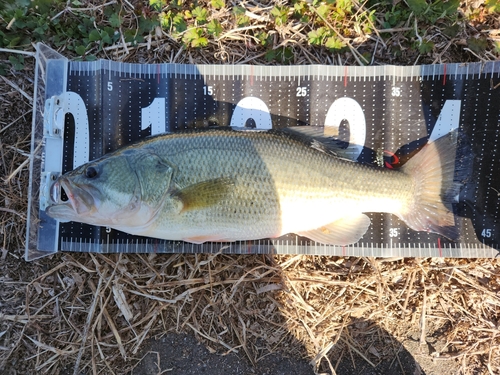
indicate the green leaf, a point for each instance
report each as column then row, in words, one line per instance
column 106, row 38
column 129, row 36
column 492, row 6
column 157, row 4
column 345, row 5
column 165, row 19
column 17, row 62
column 218, row 4
column 239, row 10
column 241, row 18
column 41, row 30
column 194, row 38
column 496, row 48
column 115, row 20
column 323, row 10
column 451, row 31
column 449, row 7
column 214, row 28
column 19, row 24
column 417, row 6
column 299, row 7
column 316, row 37
column 478, row 45
column 426, row 47
column 94, row 36
column 264, row 38
column 201, row 15
column 83, row 28
column 286, row 55
column 283, row 55
column 14, row 41
column 179, row 23
column 242, row 21
column 280, row 15
column 334, row 44
column 147, row 24
column 200, row 42
column 80, row 50
column 270, row 55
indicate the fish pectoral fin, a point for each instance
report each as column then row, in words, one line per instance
column 204, row 194
column 345, row 231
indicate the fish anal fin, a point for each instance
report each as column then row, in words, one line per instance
column 204, row 194
column 206, row 238
column 345, row 231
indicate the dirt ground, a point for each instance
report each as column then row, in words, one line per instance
column 182, row 354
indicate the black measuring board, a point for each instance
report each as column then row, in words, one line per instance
column 383, row 114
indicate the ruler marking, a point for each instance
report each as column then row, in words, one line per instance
column 399, row 74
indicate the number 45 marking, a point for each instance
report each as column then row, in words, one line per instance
column 486, row 233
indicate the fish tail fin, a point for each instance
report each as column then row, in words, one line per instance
column 433, row 170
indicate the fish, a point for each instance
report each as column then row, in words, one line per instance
column 221, row 185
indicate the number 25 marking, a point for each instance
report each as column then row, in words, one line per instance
column 301, row 91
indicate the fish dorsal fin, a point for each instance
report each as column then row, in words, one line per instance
column 344, row 231
column 204, row 194
column 318, row 138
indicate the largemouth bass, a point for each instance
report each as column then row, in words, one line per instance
column 224, row 185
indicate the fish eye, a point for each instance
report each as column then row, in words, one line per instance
column 90, row 172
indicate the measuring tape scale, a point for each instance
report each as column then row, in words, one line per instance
column 389, row 110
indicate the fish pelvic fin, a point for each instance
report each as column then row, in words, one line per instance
column 433, row 170
column 204, row 194
column 344, row 231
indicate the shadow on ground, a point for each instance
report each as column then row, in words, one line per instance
column 182, row 354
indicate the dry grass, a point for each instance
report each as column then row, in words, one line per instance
column 93, row 313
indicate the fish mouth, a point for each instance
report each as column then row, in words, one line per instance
column 70, row 201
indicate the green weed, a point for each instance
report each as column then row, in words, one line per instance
column 330, row 25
